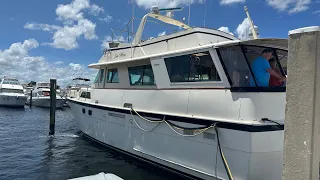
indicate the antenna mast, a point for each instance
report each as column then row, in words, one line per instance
column 205, row 13
column 254, row 33
column 132, row 17
column 189, row 13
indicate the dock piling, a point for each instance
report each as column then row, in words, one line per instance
column 30, row 103
column 53, row 85
column 302, row 118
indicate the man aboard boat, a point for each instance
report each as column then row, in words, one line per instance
column 262, row 70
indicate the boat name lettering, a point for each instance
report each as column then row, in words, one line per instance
column 119, row 55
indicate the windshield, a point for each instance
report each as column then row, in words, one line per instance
column 248, row 66
column 44, row 84
column 11, row 81
column 19, row 91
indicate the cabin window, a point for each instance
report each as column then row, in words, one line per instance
column 237, row 61
column 46, row 93
column 11, row 81
column 283, row 59
column 12, row 91
column 112, row 76
column 192, row 68
column 236, row 66
column 141, row 75
column 85, row 95
column 253, row 52
column 99, row 77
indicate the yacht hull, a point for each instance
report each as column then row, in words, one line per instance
column 13, row 100
column 251, row 153
column 45, row 102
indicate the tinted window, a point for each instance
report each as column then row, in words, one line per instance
column 12, row 91
column 252, row 53
column 141, row 75
column 283, row 59
column 236, row 65
column 112, row 76
column 192, row 68
column 85, row 95
column 99, row 77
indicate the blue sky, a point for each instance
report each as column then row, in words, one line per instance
column 58, row 39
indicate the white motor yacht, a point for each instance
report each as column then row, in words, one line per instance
column 188, row 102
column 11, row 93
column 74, row 89
column 41, row 96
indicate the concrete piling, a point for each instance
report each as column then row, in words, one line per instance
column 302, row 123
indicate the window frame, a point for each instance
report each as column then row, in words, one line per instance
column 251, row 89
column 199, row 83
column 113, row 70
column 142, row 75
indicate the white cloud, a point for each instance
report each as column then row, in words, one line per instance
column 225, row 29
column 58, row 62
column 162, row 33
column 75, row 25
column 106, row 19
column 243, row 30
column 66, row 37
column 227, row 2
column 16, row 62
column 43, row 27
column 292, row 6
column 147, row 4
column 316, row 12
column 95, row 10
column 73, row 10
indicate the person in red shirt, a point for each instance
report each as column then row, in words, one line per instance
column 273, row 80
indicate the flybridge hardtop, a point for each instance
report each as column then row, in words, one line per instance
column 189, row 39
column 10, row 83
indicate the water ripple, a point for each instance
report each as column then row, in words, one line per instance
column 27, row 152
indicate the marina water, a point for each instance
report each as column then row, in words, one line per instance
column 28, row 153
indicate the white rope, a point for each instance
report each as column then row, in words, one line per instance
column 193, row 135
column 152, row 121
column 170, row 126
column 141, row 127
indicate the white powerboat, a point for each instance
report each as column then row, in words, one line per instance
column 184, row 101
column 11, row 93
column 41, row 96
column 73, row 90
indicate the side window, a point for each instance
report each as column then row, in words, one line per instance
column 86, row 95
column 192, row 68
column 99, row 77
column 283, row 59
column 141, row 75
column 236, row 65
column 112, row 76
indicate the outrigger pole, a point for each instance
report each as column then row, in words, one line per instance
column 254, row 33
